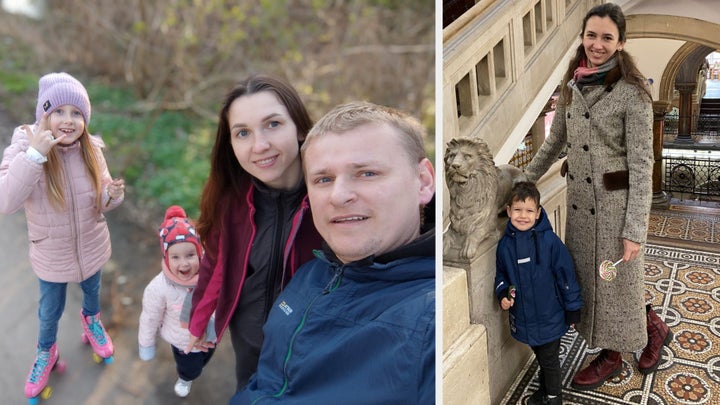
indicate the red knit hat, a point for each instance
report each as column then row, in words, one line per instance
column 177, row 228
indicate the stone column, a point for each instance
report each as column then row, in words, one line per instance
column 660, row 108
column 685, row 112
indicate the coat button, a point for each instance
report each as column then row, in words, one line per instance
column 592, row 211
column 571, row 177
column 568, row 115
column 589, row 180
column 569, row 145
column 587, row 114
column 574, row 206
column 586, row 148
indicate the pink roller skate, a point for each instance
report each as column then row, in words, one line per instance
column 94, row 333
column 37, row 380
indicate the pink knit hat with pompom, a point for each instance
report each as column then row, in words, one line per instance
column 58, row 89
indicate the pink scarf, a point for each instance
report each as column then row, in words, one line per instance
column 585, row 75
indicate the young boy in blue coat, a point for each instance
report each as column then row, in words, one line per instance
column 535, row 280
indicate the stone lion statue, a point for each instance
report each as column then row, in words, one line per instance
column 478, row 191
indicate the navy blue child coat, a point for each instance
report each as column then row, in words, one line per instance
column 547, row 295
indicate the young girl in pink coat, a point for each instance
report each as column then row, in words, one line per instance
column 55, row 170
column 168, row 297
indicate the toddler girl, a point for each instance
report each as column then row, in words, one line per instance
column 167, row 299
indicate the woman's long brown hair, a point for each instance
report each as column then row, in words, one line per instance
column 628, row 69
column 226, row 174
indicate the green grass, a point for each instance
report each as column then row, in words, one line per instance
column 162, row 155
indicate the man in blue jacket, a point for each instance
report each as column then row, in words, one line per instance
column 535, row 280
column 357, row 324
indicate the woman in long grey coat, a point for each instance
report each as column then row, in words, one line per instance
column 604, row 119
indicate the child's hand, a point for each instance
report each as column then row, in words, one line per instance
column 42, row 140
column 506, row 303
column 116, row 188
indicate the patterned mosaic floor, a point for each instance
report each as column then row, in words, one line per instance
column 695, row 228
column 684, row 288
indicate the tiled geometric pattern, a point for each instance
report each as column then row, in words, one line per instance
column 682, row 226
column 684, row 288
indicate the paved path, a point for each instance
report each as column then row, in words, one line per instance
column 128, row 380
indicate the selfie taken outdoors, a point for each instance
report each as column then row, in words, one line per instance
column 170, row 207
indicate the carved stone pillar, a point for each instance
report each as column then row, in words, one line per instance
column 660, row 108
column 685, row 112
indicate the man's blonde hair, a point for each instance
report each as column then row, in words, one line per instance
column 347, row 117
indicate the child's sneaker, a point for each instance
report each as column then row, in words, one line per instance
column 95, row 334
column 182, row 387
column 40, row 372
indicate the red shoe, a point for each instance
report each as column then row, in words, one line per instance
column 658, row 336
column 606, row 365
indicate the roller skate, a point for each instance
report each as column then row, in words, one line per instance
column 94, row 333
column 36, row 385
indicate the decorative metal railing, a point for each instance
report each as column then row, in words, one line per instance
column 523, row 155
column 706, row 126
column 697, row 173
column 671, row 125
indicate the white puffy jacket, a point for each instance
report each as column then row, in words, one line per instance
column 162, row 305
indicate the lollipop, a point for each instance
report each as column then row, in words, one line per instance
column 607, row 270
column 511, row 292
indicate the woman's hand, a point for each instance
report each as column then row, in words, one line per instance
column 42, row 140
column 631, row 250
column 199, row 342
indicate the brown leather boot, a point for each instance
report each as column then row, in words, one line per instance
column 606, row 365
column 658, row 336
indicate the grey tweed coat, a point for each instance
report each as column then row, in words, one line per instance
column 607, row 131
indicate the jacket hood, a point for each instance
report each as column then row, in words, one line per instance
column 541, row 225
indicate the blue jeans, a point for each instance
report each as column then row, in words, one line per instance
column 52, row 305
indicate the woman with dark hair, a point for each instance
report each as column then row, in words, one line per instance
column 255, row 221
column 604, row 119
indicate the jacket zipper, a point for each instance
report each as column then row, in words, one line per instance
column 288, row 259
column 272, row 275
column 331, row 286
column 334, row 282
column 73, row 216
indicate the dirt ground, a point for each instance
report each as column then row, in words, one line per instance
column 135, row 260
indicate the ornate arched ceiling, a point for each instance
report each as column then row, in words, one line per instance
column 702, row 38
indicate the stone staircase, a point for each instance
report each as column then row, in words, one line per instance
column 710, row 106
